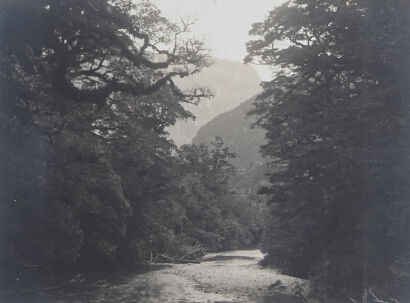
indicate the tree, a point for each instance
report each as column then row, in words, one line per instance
column 337, row 121
column 214, row 215
column 81, row 53
column 87, row 89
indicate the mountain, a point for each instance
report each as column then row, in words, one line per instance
column 231, row 82
column 235, row 128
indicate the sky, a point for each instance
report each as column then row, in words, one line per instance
column 223, row 24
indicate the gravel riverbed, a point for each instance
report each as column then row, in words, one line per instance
column 233, row 276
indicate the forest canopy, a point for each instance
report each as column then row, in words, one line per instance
column 89, row 178
column 337, row 121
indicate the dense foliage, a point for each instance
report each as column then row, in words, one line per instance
column 89, row 179
column 337, row 119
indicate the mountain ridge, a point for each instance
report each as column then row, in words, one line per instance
column 231, row 82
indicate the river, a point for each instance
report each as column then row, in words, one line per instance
column 232, row 276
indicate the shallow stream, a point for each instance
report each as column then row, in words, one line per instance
column 232, row 276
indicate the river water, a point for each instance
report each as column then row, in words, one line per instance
column 232, row 276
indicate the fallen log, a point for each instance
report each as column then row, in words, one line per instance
column 160, row 258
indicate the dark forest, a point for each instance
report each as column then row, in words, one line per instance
column 91, row 181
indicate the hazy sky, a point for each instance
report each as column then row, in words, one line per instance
column 223, row 24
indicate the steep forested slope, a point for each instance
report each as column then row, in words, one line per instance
column 235, row 128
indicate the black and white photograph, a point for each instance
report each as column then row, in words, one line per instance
column 204, row 151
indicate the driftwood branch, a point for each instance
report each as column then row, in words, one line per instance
column 374, row 298
column 163, row 258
